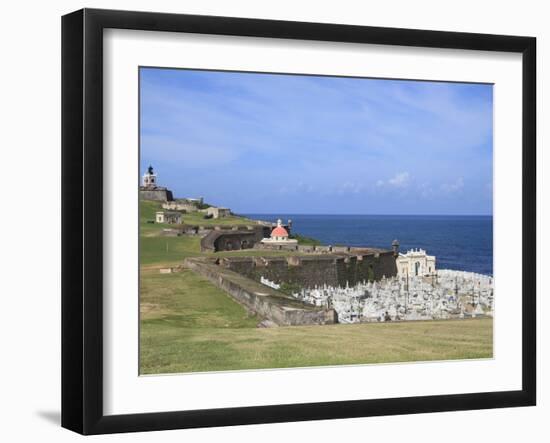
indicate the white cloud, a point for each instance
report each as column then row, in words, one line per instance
column 456, row 186
column 400, row 180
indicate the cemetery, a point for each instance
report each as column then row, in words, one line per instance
column 447, row 294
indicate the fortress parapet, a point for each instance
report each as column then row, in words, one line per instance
column 316, row 269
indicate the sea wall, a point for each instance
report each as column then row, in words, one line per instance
column 264, row 301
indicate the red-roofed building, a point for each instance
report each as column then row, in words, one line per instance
column 279, row 236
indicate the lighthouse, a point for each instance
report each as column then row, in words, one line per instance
column 149, row 179
column 150, row 190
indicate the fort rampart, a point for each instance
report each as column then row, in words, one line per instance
column 310, row 271
column 157, row 194
column 233, row 238
column 262, row 300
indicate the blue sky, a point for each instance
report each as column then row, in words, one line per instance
column 262, row 143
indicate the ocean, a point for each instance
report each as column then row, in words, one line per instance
column 459, row 242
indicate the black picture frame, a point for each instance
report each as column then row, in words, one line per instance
column 82, row 215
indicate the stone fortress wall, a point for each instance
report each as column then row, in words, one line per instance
column 156, row 194
column 278, row 308
column 315, row 270
column 231, row 240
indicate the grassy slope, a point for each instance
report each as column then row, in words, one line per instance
column 187, row 324
column 148, row 209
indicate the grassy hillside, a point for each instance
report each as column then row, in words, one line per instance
column 148, row 208
column 189, row 325
column 168, row 250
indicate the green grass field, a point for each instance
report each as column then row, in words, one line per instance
column 188, row 325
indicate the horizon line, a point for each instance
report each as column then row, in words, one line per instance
column 391, row 215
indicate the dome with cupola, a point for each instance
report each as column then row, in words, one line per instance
column 279, row 233
column 279, row 236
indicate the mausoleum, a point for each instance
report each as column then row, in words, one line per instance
column 415, row 263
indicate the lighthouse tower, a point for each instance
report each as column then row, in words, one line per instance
column 149, row 179
column 150, row 190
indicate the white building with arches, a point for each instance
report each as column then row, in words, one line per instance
column 415, row 263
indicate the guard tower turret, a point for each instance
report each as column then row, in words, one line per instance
column 395, row 247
